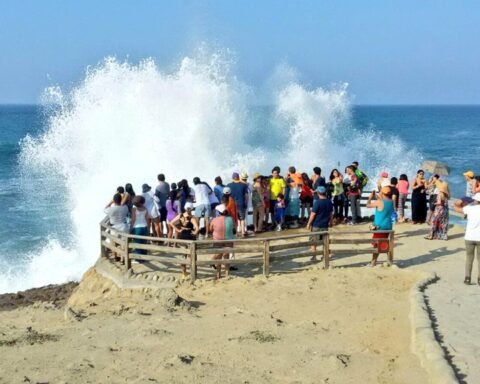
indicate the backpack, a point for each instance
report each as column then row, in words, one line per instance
column 362, row 178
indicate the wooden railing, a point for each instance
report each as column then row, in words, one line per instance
column 256, row 250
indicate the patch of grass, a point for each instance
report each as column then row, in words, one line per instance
column 30, row 337
column 263, row 337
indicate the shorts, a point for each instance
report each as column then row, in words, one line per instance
column 241, row 213
column 203, row 210
column 163, row 214
column 318, row 237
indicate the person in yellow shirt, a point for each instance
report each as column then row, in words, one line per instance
column 277, row 186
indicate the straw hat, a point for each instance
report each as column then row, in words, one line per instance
column 256, row 176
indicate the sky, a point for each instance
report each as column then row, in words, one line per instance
column 389, row 52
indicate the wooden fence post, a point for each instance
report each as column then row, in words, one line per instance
column 193, row 261
column 126, row 260
column 266, row 257
column 326, row 251
column 391, row 246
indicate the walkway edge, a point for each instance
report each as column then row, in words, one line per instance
column 424, row 343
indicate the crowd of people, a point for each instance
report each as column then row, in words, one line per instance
column 184, row 211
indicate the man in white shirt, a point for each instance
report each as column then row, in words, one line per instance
column 152, row 209
column 472, row 234
column 202, row 202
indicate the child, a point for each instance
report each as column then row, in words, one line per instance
column 280, row 211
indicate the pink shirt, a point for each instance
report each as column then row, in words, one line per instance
column 402, row 187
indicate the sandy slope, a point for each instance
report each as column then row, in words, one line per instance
column 339, row 326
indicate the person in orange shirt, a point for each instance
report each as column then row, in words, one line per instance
column 229, row 202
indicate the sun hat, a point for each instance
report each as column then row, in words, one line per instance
column 227, row 191
column 244, row 175
column 188, row 205
column 384, row 174
column 470, row 174
column 386, row 190
column 256, row 176
column 235, row 175
column 321, row 189
column 220, row 208
column 146, row 188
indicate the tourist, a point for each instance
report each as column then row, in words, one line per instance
column 186, row 194
column 382, row 220
column 161, row 194
column 258, row 204
column 439, row 220
column 140, row 222
column 117, row 214
column 202, row 202
column 383, row 181
column 294, row 184
column 185, row 227
column 317, row 178
column 173, row 208
column 403, row 186
column 128, row 197
column 419, row 198
column 277, row 186
column 221, row 228
column 395, row 197
column 248, row 205
column 229, row 202
column 432, row 193
column 280, row 211
column 218, row 188
column 471, row 186
column 472, row 234
column 306, row 198
column 239, row 192
column 338, row 194
column 320, row 217
column 353, row 194
column 266, row 199
column 151, row 209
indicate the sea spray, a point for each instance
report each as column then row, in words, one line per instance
column 127, row 123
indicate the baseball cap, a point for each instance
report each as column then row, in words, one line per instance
column 384, row 174
column 476, row 197
column 469, row 174
column 227, row 190
column 188, row 205
column 321, row 189
column 235, row 175
column 146, row 188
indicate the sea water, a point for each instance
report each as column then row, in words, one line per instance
column 61, row 161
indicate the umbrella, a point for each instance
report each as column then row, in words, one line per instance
column 435, row 167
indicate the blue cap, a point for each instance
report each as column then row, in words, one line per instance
column 321, row 189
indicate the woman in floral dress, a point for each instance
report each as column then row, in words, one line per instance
column 439, row 219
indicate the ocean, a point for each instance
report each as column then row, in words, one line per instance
column 60, row 165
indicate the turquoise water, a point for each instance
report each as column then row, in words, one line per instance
column 35, row 207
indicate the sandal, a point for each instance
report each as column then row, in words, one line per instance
column 467, row 281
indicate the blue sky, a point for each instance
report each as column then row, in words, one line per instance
column 390, row 52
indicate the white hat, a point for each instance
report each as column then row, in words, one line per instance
column 188, row 205
column 244, row 175
column 220, row 208
column 227, row 190
column 476, row 197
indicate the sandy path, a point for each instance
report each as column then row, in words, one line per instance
column 309, row 327
column 455, row 306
